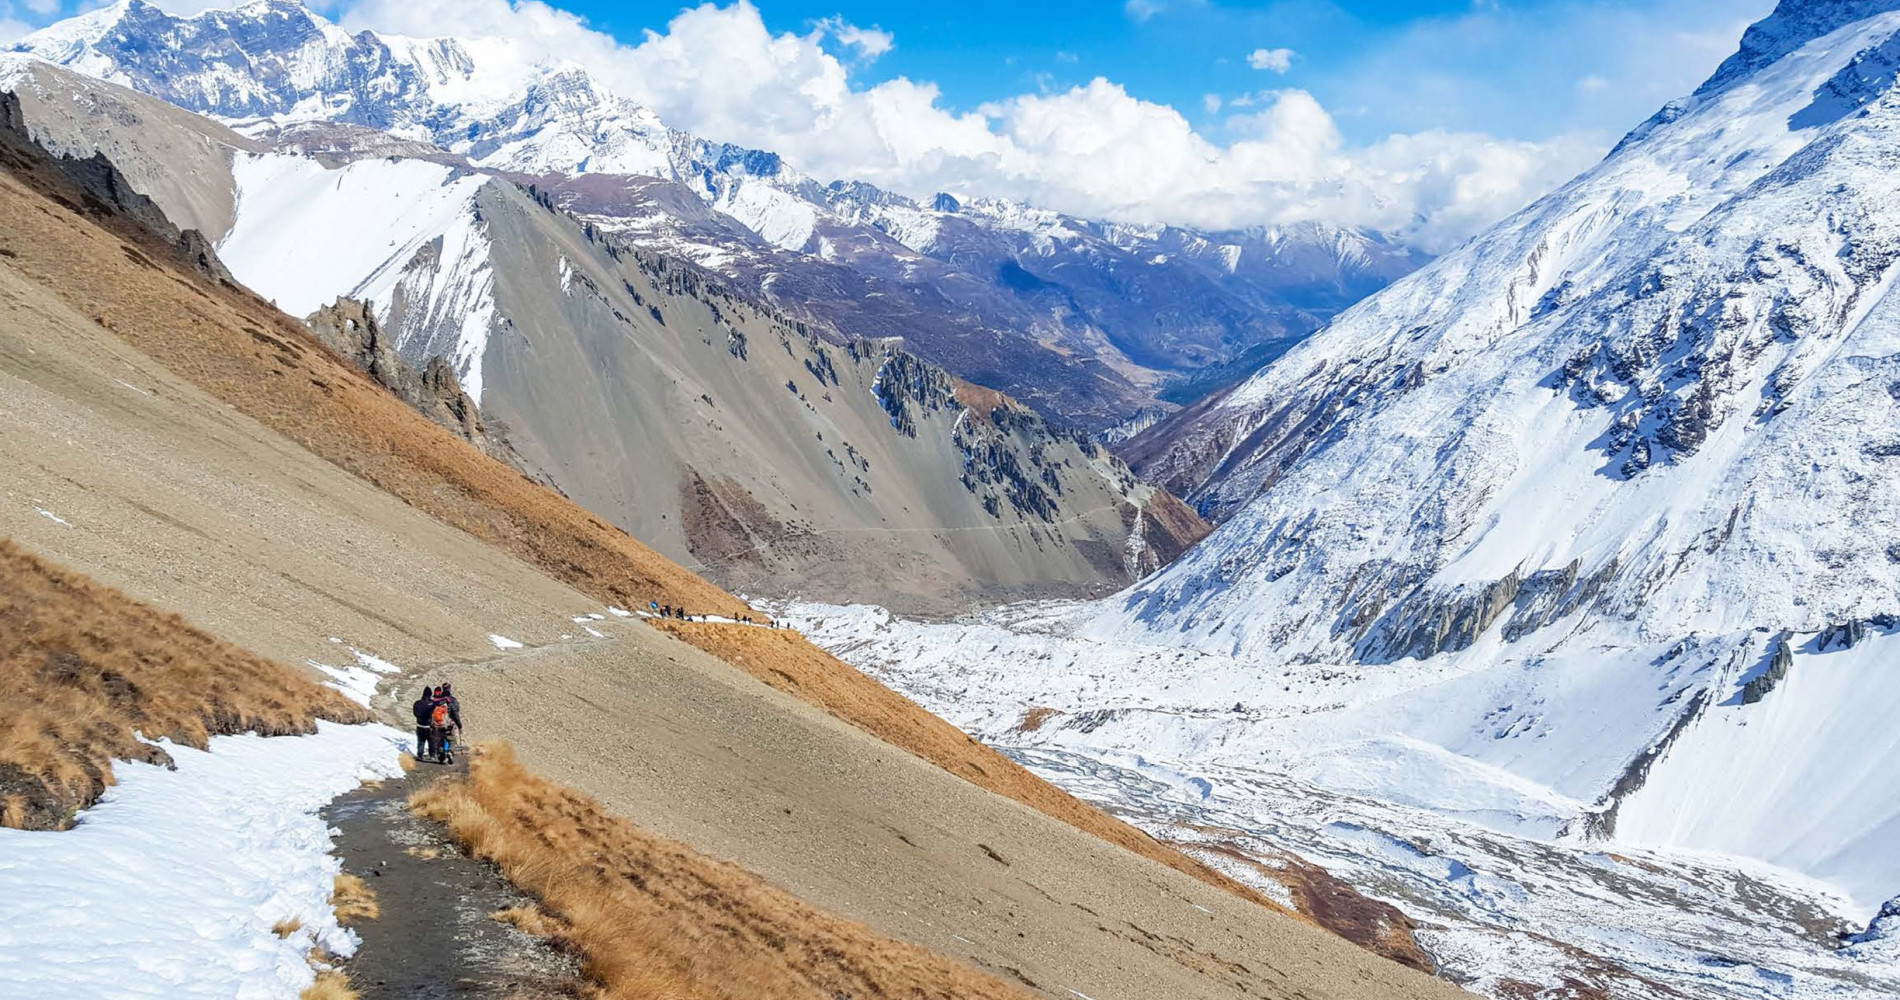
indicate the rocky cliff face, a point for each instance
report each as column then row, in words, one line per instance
column 348, row 327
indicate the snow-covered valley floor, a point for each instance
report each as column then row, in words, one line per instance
column 1197, row 749
column 170, row 885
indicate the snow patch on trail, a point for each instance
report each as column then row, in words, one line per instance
column 358, row 681
column 168, row 887
column 502, row 641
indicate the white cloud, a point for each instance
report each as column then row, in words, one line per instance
column 1276, row 60
column 1142, row 10
column 1093, row 150
column 870, row 42
column 1210, row 103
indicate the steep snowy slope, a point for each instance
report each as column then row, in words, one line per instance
column 1588, row 531
column 1087, row 320
column 1650, row 421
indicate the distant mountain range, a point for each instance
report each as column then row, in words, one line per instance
column 1089, row 322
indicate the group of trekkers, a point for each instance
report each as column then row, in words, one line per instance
column 669, row 611
column 436, row 712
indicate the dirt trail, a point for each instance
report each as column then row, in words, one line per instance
column 435, row 936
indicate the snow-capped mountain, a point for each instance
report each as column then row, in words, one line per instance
column 1652, row 417
column 1587, row 533
column 1086, row 320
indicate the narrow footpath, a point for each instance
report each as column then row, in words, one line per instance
column 435, row 936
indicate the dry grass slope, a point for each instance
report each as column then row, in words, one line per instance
column 653, row 919
column 787, row 661
column 83, row 667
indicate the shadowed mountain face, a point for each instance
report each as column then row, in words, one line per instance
column 771, row 453
column 1089, row 322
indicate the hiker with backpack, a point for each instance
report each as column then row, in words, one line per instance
column 444, row 713
column 425, row 736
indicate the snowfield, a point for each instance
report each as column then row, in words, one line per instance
column 168, row 887
column 1381, row 777
column 375, row 230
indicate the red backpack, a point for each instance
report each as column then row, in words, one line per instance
column 439, row 718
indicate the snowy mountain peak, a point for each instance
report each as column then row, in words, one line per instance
column 1792, row 24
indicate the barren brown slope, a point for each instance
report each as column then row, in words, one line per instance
column 787, row 661
column 269, row 367
column 654, row 918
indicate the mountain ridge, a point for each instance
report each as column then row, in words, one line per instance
column 1021, row 279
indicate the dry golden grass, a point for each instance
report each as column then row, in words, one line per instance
column 285, row 928
column 268, row 366
column 651, row 919
column 353, row 899
column 787, row 661
column 1033, row 719
column 83, row 667
column 532, row 920
column 331, row 984
column 424, row 853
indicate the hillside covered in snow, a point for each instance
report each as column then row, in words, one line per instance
column 1588, row 533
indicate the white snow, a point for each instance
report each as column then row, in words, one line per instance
column 503, row 642
column 306, row 234
column 55, row 518
column 168, row 887
column 1805, row 778
column 357, row 681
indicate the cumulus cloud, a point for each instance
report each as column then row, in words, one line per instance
column 1093, row 150
column 1275, row 60
column 869, row 42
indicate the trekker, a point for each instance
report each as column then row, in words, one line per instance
column 424, row 705
column 455, row 707
column 444, row 713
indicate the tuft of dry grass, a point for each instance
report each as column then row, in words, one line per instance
column 406, row 761
column 353, row 899
column 532, row 920
column 331, row 984
column 83, row 668
column 653, row 920
column 788, row 661
column 425, row 853
column 286, row 927
column 1033, row 719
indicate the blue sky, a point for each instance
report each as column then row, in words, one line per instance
column 1526, row 69
column 1430, row 119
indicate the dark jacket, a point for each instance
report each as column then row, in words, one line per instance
column 422, row 708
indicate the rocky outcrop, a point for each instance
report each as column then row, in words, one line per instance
column 349, row 328
column 1846, row 635
column 106, row 192
column 1780, row 658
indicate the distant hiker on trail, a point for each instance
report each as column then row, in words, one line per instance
column 425, row 737
column 653, row 606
